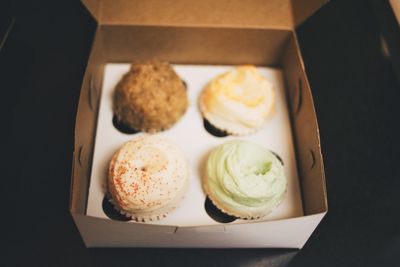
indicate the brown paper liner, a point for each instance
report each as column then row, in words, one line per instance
column 155, row 215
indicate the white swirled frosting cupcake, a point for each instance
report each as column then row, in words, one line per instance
column 148, row 177
column 238, row 101
column 244, row 179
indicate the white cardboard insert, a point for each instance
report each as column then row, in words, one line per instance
column 189, row 134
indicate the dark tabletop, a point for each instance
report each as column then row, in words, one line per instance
column 356, row 95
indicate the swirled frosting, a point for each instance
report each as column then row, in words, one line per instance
column 148, row 176
column 238, row 101
column 244, row 179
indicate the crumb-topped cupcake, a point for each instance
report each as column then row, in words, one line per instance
column 150, row 97
column 148, row 177
column 244, row 179
column 237, row 102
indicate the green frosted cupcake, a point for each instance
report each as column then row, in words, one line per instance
column 244, row 179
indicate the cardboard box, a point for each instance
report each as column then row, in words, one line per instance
column 395, row 4
column 224, row 32
column 388, row 16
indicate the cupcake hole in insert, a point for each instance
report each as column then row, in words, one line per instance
column 213, row 130
column 216, row 214
column 279, row 157
column 111, row 212
column 299, row 96
column 312, row 159
column 92, row 94
column 80, row 155
column 123, row 128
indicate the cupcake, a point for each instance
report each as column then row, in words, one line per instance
column 150, row 97
column 244, row 180
column 237, row 102
column 148, row 177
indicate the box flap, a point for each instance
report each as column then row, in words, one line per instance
column 303, row 9
column 279, row 14
column 396, row 9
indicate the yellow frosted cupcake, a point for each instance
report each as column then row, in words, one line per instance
column 148, row 177
column 238, row 101
column 244, row 179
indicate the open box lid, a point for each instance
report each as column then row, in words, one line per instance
column 271, row 14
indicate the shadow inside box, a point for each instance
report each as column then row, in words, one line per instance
column 195, row 257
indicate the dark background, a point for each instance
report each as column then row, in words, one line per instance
column 356, row 97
